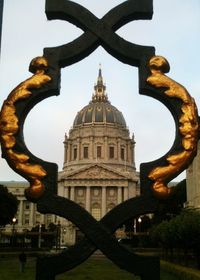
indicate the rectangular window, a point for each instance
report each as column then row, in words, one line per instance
column 26, row 205
column 26, row 219
column 98, row 151
column 49, row 218
column 85, row 152
column 75, row 153
column 122, row 154
column 111, row 152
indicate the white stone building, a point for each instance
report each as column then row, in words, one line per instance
column 99, row 165
column 27, row 215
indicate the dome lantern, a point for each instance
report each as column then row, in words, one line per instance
column 99, row 94
column 99, row 110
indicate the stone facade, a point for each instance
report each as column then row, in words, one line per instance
column 27, row 215
column 193, row 182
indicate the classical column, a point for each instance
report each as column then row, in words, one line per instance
column 88, row 199
column 66, row 192
column 91, row 151
column 31, row 221
column 20, row 213
column 61, row 188
column 69, row 148
column 133, row 149
column 79, row 149
column 127, row 153
column 65, row 154
column 103, row 201
column 42, row 219
column 106, row 152
column 65, row 149
column 119, row 195
column 72, row 193
column 125, row 193
column 118, row 150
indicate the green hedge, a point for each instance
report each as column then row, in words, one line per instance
column 183, row 272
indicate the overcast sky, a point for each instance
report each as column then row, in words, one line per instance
column 175, row 33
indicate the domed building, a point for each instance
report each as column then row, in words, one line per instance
column 99, row 161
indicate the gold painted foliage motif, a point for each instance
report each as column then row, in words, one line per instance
column 188, row 126
column 9, row 126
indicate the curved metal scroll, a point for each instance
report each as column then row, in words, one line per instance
column 10, row 125
column 43, row 175
column 187, row 124
column 98, row 235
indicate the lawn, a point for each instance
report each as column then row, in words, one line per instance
column 93, row 269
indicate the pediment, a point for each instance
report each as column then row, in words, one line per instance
column 95, row 172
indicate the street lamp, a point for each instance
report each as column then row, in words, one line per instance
column 63, row 234
column 13, row 229
column 134, row 226
column 14, row 221
column 139, row 221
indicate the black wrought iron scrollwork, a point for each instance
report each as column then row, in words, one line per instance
column 99, row 31
column 98, row 234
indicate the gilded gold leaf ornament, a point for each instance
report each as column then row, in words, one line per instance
column 9, row 126
column 36, row 190
column 188, row 127
column 16, row 157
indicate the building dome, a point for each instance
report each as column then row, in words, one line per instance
column 99, row 110
column 99, row 135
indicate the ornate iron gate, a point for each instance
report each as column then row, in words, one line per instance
column 42, row 175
